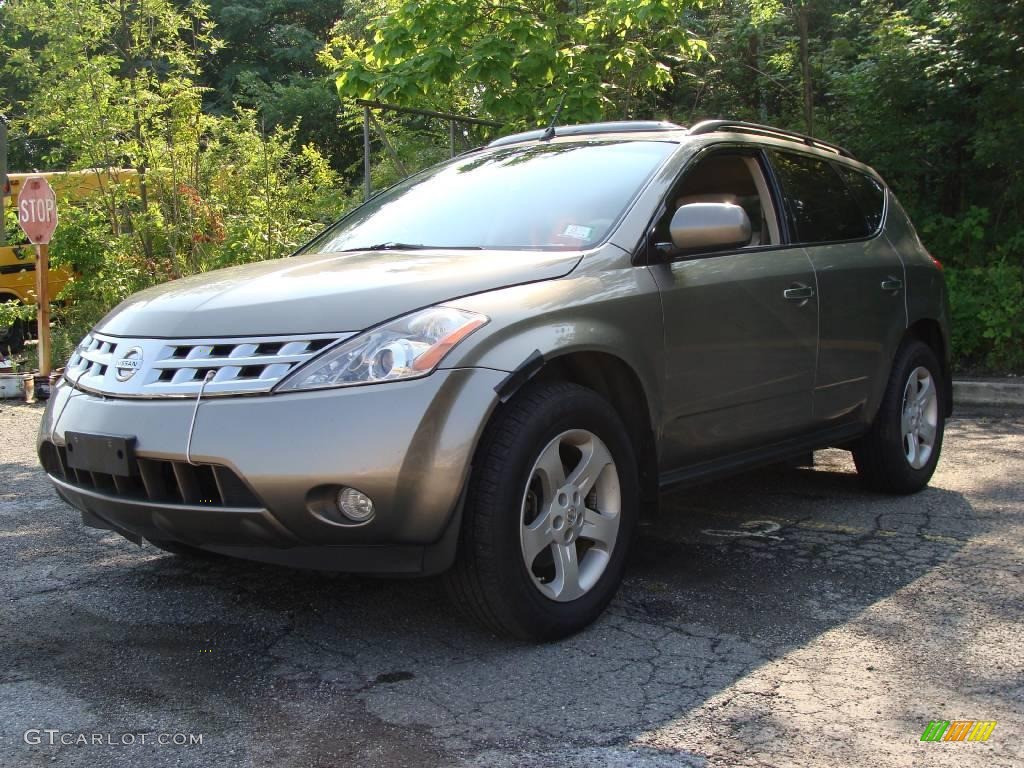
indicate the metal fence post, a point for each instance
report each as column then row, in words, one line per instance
column 369, row 119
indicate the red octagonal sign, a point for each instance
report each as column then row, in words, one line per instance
column 37, row 210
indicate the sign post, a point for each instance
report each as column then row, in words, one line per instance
column 37, row 215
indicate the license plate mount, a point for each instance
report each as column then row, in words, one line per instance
column 110, row 454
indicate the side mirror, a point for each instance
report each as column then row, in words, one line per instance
column 709, row 227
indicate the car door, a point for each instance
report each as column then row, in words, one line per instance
column 836, row 212
column 740, row 325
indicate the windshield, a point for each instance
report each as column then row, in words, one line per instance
column 565, row 196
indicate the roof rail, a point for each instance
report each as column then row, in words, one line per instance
column 738, row 126
column 621, row 126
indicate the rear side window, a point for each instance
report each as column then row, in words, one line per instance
column 869, row 195
column 820, row 206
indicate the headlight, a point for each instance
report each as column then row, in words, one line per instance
column 406, row 348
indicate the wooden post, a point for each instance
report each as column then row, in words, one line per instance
column 37, row 215
column 43, row 307
column 3, row 179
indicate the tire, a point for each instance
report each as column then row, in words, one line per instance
column 184, row 550
column 517, row 501
column 900, row 452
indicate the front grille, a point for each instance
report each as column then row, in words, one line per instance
column 178, row 367
column 157, row 480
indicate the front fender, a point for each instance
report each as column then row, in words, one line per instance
column 615, row 311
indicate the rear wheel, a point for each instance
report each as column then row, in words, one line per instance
column 900, row 453
column 551, row 508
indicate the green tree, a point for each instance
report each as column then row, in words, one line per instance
column 931, row 94
column 104, row 78
column 114, row 85
column 515, row 61
column 764, row 64
column 268, row 62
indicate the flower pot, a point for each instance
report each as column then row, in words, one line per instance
column 42, row 386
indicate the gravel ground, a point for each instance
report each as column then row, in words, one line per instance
column 786, row 617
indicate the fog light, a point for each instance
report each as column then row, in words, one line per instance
column 355, row 505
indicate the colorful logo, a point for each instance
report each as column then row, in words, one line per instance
column 958, row 730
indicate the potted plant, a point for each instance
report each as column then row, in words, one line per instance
column 14, row 382
column 24, row 378
column 13, row 317
column 40, row 385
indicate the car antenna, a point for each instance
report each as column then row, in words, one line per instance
column 549, row 132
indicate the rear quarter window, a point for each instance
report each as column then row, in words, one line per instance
column 820, row 206
column 868, row 192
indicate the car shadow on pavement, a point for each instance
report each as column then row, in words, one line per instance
column 283, row 666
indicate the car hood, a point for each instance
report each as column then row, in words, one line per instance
column 324, row 293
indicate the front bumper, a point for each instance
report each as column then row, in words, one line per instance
column 407, row 445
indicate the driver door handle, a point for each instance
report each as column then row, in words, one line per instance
column 798, row 292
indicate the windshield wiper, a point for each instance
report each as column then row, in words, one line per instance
column 392, row 246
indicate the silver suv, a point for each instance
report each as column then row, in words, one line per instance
column 491, row 368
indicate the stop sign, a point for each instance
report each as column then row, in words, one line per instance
column 37, row 210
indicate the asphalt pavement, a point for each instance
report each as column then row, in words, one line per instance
column 783, row 618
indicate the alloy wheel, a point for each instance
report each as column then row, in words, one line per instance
column 571, row 511
column 920, row 417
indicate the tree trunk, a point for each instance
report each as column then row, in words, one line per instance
column 801, row 11
column 762, row 90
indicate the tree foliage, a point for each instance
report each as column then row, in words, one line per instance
column 930, row 93
column 232, row 110
column 268, row 62
column 116, row 85
column 515, row 61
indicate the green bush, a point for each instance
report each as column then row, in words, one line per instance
column 12, row 312
column 118, row 85
column 987, row 305
column 247, row 196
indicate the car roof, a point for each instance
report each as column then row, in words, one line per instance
column 590, row 129
column 658, row 130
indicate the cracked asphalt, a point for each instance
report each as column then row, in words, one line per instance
column 783, row 618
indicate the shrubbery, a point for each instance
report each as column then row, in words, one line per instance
column 117, row 84
column 988, row 317
column 248, row 197
column 985, row 277
column 925, row 92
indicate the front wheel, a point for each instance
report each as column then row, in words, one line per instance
column 900, row 452
column 550, row 511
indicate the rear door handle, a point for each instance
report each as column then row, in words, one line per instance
column 799, row 292
column 892, row 284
